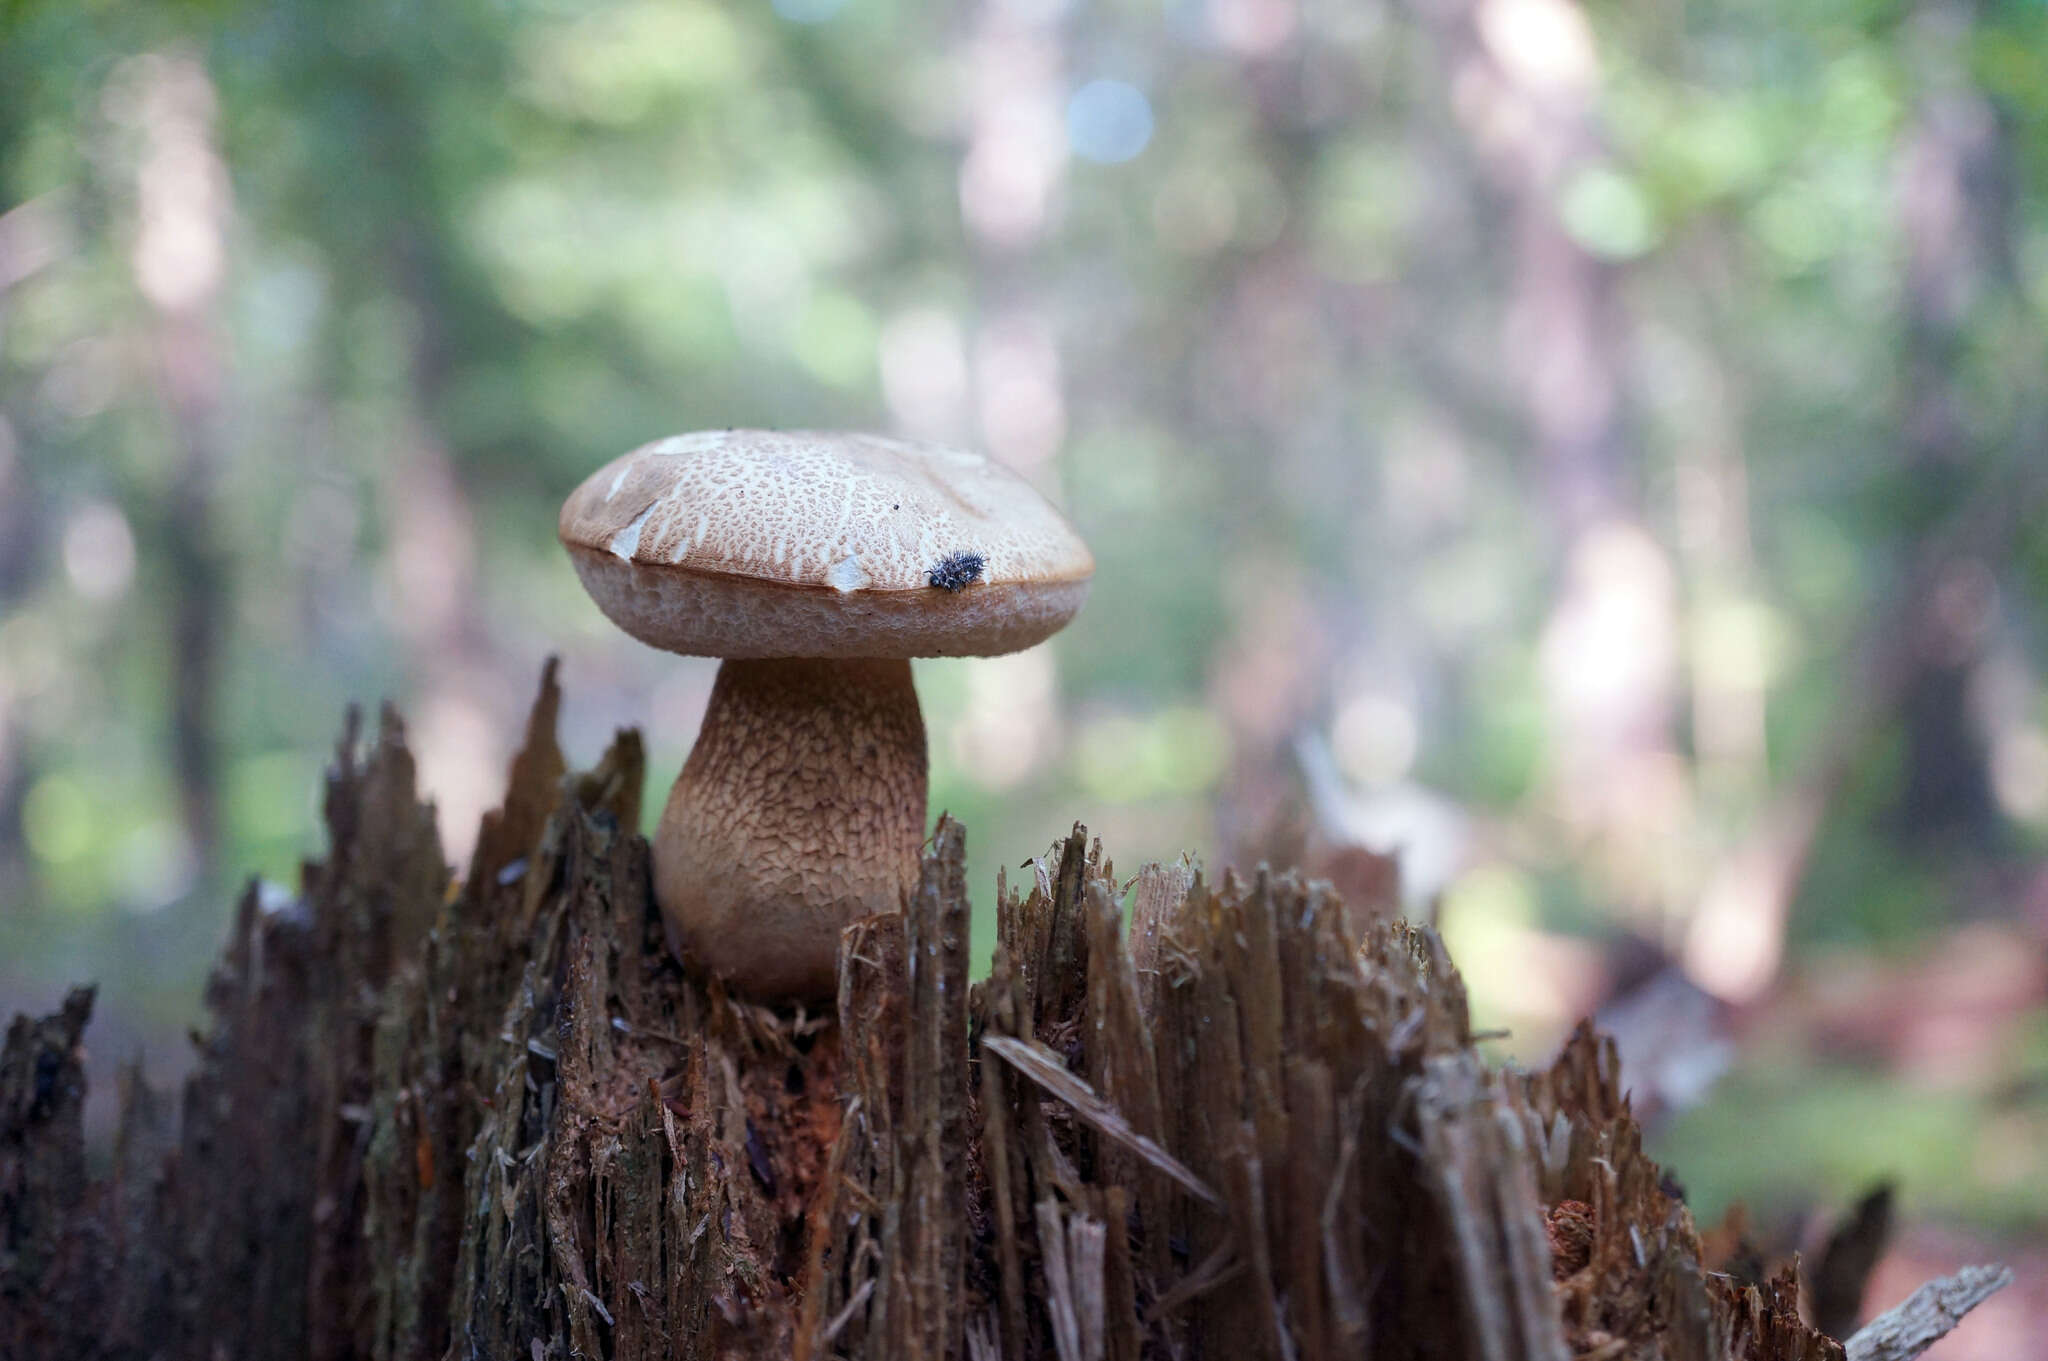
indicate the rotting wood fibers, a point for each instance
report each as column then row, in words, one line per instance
column 495, row 1119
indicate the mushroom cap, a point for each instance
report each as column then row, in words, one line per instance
column 795, row 543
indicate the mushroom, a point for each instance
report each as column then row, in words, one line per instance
column 816, row 564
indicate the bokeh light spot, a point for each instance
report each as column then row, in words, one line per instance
column 924, row 372
column 155, row 865
column 1109, row 121
column 56, row 819
column 1606, row 212
column 99, row 552
column 2019, row 773
column 1793, row 225
column 1376, row 739
column 1517, row 974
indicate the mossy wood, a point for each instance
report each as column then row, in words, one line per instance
column 491, row 1118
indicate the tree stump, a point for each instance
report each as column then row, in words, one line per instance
column 491, row 1117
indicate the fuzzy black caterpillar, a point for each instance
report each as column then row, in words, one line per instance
column 952, row 572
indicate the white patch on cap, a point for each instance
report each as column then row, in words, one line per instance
column 618, row 481
column 688, row 444
column 847, row 575
column 627, row 541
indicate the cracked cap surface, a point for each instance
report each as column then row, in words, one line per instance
column 758, row 543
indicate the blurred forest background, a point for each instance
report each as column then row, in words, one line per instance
column 1598, row 450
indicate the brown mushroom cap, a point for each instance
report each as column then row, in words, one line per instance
column 759, row 543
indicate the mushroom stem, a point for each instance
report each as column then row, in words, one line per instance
column 801, row 809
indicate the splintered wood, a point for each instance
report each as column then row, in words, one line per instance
column 493, row 1118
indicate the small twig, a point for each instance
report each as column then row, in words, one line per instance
column 1927, row 1315
column 1042, row 1066
column 845, row 1315
column 1219, row 1267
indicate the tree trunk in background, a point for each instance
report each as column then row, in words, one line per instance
column 179, row 260
column 491, row 1118
column 19, row 543
column 432, row 562
column 1925, row 640
column 1955, row 197
column 1524, row 83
